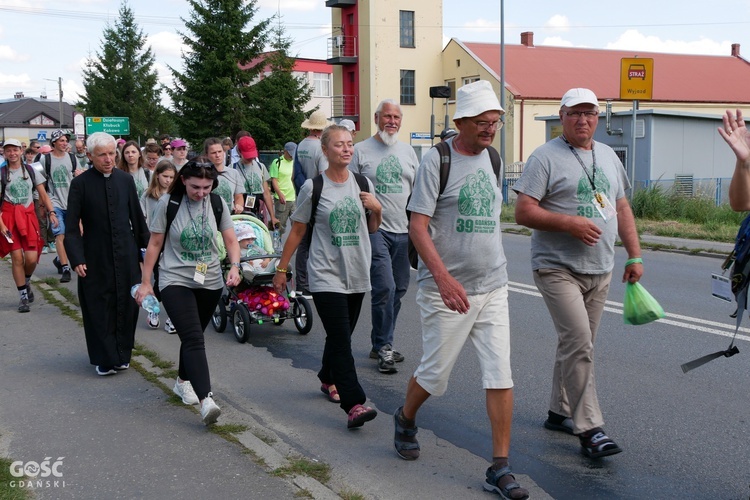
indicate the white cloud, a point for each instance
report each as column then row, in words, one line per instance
column 7, row 53
column 166, row 44
column 556, row 41
column 558, row 23
column 22, row 80
column 482, row 26
column 290, row 5
column 72, row 90
column 635, row 40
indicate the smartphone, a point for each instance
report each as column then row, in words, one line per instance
column 8, row 236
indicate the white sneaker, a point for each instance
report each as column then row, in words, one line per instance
column 185, row 390
column 153, row 320
column 210, row 411
column 169, row 327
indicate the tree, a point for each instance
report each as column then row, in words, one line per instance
column 121, row 81
column 283, row 96
column 212, row 95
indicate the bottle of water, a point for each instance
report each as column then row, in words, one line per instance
column 277, row 239
column 150, row 303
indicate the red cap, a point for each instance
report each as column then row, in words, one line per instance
column 246, row 147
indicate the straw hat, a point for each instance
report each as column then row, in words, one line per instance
column 317, row 121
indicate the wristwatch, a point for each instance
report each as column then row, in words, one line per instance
column 237, row 265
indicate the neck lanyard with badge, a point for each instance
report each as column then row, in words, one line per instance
column 201, row 267
column 600, row 200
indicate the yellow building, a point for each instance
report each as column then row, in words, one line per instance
column 385, row 49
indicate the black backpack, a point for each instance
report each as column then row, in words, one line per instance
column 315, row 198
column 48, row 164
column 445, row 169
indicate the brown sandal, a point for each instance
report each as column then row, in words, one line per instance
column 331, row 393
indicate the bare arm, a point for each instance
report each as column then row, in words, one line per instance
column 277, row 190
column 451, row 291
column 233, row 252
column 292, row 242
column 155, row 243
column 268, row 199
column 629, row 237
column 735, row 134
column 238, row 203
column 530, row 214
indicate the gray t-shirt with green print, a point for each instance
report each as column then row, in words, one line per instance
column 18, row 190
column 192, row 237
column 340, row 251
column 553, row 176
column 59, row 179
column 141, row 182
column 230, row 184
column 464, row 220
column 254, row 175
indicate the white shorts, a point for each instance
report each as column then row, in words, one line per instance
column 444, row 332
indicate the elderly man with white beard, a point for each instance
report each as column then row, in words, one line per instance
column 391, row 165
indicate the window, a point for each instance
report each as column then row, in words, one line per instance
column 470, row 79
column 406, row 28
column 321, row 85
column 407, row 86
column 452, row 85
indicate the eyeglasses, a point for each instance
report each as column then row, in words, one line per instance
column 585, row 114
column 483, row 126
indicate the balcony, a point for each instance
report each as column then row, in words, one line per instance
column 342, row 50
column 345, row 107
column 340, row 3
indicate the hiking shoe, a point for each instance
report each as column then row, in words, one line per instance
column 104, row 371
column 65, row 278
column 29, row 294
column 56, row 262
column 405, row 438
column 169, row 327
column 397, row 356
column 210, row 411
column 596, row 444
column 23, row 305
column 185, row 390
column 358, row 415
column 386, row 364
column 52, row 247
column 120, row 368
column 153, row 320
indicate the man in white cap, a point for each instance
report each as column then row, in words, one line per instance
column 572, row 193
column 391, row 165
column 463, row 295
column 309, row 161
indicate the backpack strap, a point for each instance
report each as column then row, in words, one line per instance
column 73, row 164
column 445, row 163
column 217, row 208
column 318, row 189
column 48, row 164
column 4, row 181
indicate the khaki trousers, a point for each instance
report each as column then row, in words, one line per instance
column 575, row 302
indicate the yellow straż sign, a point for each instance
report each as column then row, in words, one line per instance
column 636, row 78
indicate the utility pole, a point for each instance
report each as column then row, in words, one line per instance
column 60, row 92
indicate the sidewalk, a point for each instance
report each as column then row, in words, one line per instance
column 121, row 437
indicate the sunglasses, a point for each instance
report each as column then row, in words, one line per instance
column 167, row 149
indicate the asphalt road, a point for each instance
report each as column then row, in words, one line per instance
column 683, row 434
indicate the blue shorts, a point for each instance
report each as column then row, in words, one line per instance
column 60, row 229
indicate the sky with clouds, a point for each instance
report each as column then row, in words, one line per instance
column 43, row 40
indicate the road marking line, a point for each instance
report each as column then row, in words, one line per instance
column 616, row 307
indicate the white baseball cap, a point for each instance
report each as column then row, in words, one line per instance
column 574, row 97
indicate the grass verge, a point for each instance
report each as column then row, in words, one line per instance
column 6, row 491
column 305, row 467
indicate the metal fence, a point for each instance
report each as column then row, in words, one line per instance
column 712, row 188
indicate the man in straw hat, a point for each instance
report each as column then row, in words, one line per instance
column 463, row 295
column 572, row 193
column 309, row 161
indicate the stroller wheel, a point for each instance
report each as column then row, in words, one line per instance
column 241, row 321
column 302, row 313
column 219, row 318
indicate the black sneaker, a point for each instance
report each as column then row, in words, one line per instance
column 385, row 360
column 65, row 276
column 29, row 294
column 397, row 356
column 56, row 262
column 23, row 306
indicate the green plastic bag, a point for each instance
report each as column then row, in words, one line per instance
column 639, row 306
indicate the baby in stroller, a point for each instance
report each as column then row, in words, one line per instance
column 254, row 240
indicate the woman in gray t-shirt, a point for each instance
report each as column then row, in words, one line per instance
column 190, row 277
column 338, row 267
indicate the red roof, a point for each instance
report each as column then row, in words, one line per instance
column 300, row 64
column 541, row 72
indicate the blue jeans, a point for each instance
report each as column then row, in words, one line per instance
column 389, row 277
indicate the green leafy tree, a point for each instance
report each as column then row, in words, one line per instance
column 283, row 96
column 212, row 95
column 121, row 81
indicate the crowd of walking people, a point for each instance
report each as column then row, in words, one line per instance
column 343, row 207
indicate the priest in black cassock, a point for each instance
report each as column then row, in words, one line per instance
column 105, row 255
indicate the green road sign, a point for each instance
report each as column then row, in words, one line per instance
column 115, row 125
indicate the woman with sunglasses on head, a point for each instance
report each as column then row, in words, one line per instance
column 131, row 162
column 190, row 278
column 338, row 267
column 231, row 186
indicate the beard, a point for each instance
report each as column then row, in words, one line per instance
column 388, row 139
